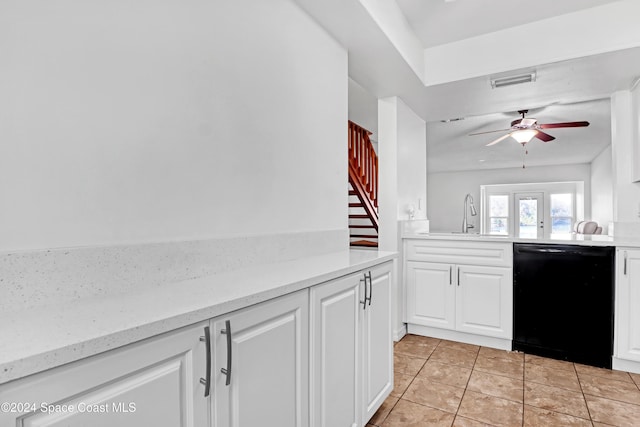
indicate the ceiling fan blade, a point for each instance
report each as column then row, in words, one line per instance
column 544, row 137
column 563, row 125
column 498, row 140
column 489, row 131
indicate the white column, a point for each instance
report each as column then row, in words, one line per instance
column 626, row 194
column 388, row 173
column 403, row 181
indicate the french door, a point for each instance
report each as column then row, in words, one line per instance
column 529, row 215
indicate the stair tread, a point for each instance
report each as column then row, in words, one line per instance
column 366, row 243
column 364, row 236
column 361, row 226
column 365, row 216
column 355, row 205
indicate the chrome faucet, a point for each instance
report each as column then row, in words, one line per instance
column 465, row 226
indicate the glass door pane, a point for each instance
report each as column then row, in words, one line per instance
column 529, row 223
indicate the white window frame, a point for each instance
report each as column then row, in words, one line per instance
column 572, row 218
column 486, row 218
column 575, row 188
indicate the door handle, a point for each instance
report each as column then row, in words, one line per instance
column 227, row 331
column 370, row 285
column 206, row 381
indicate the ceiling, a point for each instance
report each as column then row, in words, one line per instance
column 564, row 90
column 437, row 22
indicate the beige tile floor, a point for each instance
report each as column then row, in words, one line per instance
column 446, row 383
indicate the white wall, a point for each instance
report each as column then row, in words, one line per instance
column 412, row 163
column 446, row 191
column 403, row 165
column 626, row 199
column 166, row 120
column 363, row 109
column 602, row 189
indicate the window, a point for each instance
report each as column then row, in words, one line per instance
column 531, row 210
column 561, row 213
column 498, row 214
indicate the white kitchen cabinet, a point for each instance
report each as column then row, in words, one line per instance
column 466, row 298
column 377, row 342
column 261, row 364
column 627, row 322
column 484, row 300
column 335, row 352
column 151, row 383
column 460, row 290
column 431, row 294
column 352, row 348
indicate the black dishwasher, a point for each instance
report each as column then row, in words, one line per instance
column 563, row 301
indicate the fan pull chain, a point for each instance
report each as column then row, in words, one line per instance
column 525, row 153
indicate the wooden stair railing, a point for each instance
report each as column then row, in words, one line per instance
column 363, row 170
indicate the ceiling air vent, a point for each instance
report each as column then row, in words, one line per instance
column 513, row 80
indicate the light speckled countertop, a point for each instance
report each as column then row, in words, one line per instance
column 46, row 336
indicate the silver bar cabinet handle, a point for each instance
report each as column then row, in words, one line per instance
column 370, row 285
column 227, row 331
column 364, row 303
column 207, row 380
column 458, row 276
column 450, row 274
column 625, row 263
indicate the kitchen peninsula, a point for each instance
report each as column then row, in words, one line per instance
column 463, row 287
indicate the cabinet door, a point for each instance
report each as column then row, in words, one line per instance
column 264, row 350
column 431, row 294
column 335, row 352
column 151, row 383
column 484, row 298
column 627, row 328
column 377, row 347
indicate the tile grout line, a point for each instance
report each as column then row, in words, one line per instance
column 410, row 382
column 605, row 397
column 466, row 386
column 524, row 370
column 583, row 395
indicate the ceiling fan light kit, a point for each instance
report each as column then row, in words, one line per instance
column 523, row 136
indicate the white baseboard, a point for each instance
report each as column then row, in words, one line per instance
column 400, row 332
column 446, row 334
column 626, row 365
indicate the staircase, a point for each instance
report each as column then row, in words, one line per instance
column 363, row 189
